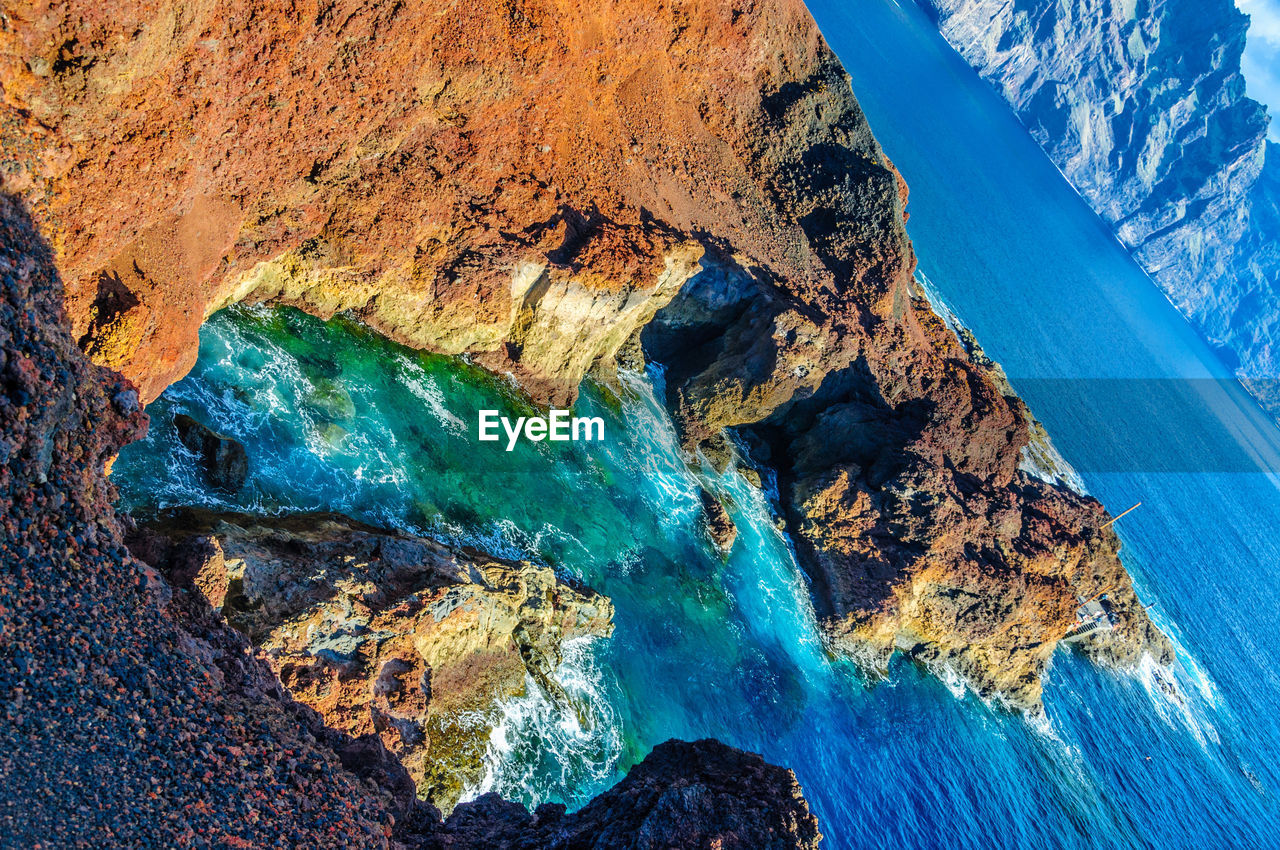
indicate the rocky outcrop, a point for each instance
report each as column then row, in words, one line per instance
column 716, row 523
column 383, row 634
column 724, row 799
column 1142, row 106
column 898, row 462
column 223, row 460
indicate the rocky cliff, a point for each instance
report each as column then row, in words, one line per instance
column 533, row 184
column 898, row 454
column 1142, row 105
column 438, row 175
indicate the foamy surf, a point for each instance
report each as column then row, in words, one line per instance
column 543, row 751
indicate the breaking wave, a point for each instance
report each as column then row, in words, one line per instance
column 546, row 751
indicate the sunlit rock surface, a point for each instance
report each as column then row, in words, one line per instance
column 531, row 185
column 403, row 637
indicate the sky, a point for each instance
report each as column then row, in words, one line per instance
column 1261, row 63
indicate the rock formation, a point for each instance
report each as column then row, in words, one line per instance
column 1143, row 108
column 898, row 467
column 223, row 460
column 531, row 183
column 448, row 187
column 133, row 715
column 382, row 633
column 716, row 523
column 647, row 810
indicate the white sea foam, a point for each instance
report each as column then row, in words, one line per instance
column 1182, row 695
column 422, row 385
column 1068, row 756
column 656, row 453
column 1039, row 459
column 543, row 750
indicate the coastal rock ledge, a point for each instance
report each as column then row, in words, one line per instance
column 383, row 634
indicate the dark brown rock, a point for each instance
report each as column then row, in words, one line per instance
column 717, row 523
column 223, row 460
column 897, row 453
column 688, row 795
column 120, row 726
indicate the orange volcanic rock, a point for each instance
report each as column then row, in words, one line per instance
column 527, row 183
column 899, row 459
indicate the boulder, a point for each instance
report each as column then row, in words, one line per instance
column 224, row 461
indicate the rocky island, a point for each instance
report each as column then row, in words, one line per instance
column 550, row 191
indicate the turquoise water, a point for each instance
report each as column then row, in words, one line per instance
column 336, row 418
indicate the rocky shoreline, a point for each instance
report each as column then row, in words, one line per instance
column 135, row 716
column 382, row 634
column 725, row 209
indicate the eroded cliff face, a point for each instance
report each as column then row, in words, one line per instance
column 133, row 715
column 898, row 461
column 1142, row 106
column 524, row 183
column 533, row 184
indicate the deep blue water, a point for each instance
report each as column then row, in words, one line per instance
column 1058, row 302
column 336, row 418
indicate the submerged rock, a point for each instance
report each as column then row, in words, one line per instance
column 382, row 633
column 223, row 460
column 717, row 523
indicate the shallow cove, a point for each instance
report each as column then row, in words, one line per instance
column 336, row 418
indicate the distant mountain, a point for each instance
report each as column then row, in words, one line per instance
column 1142, row 105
